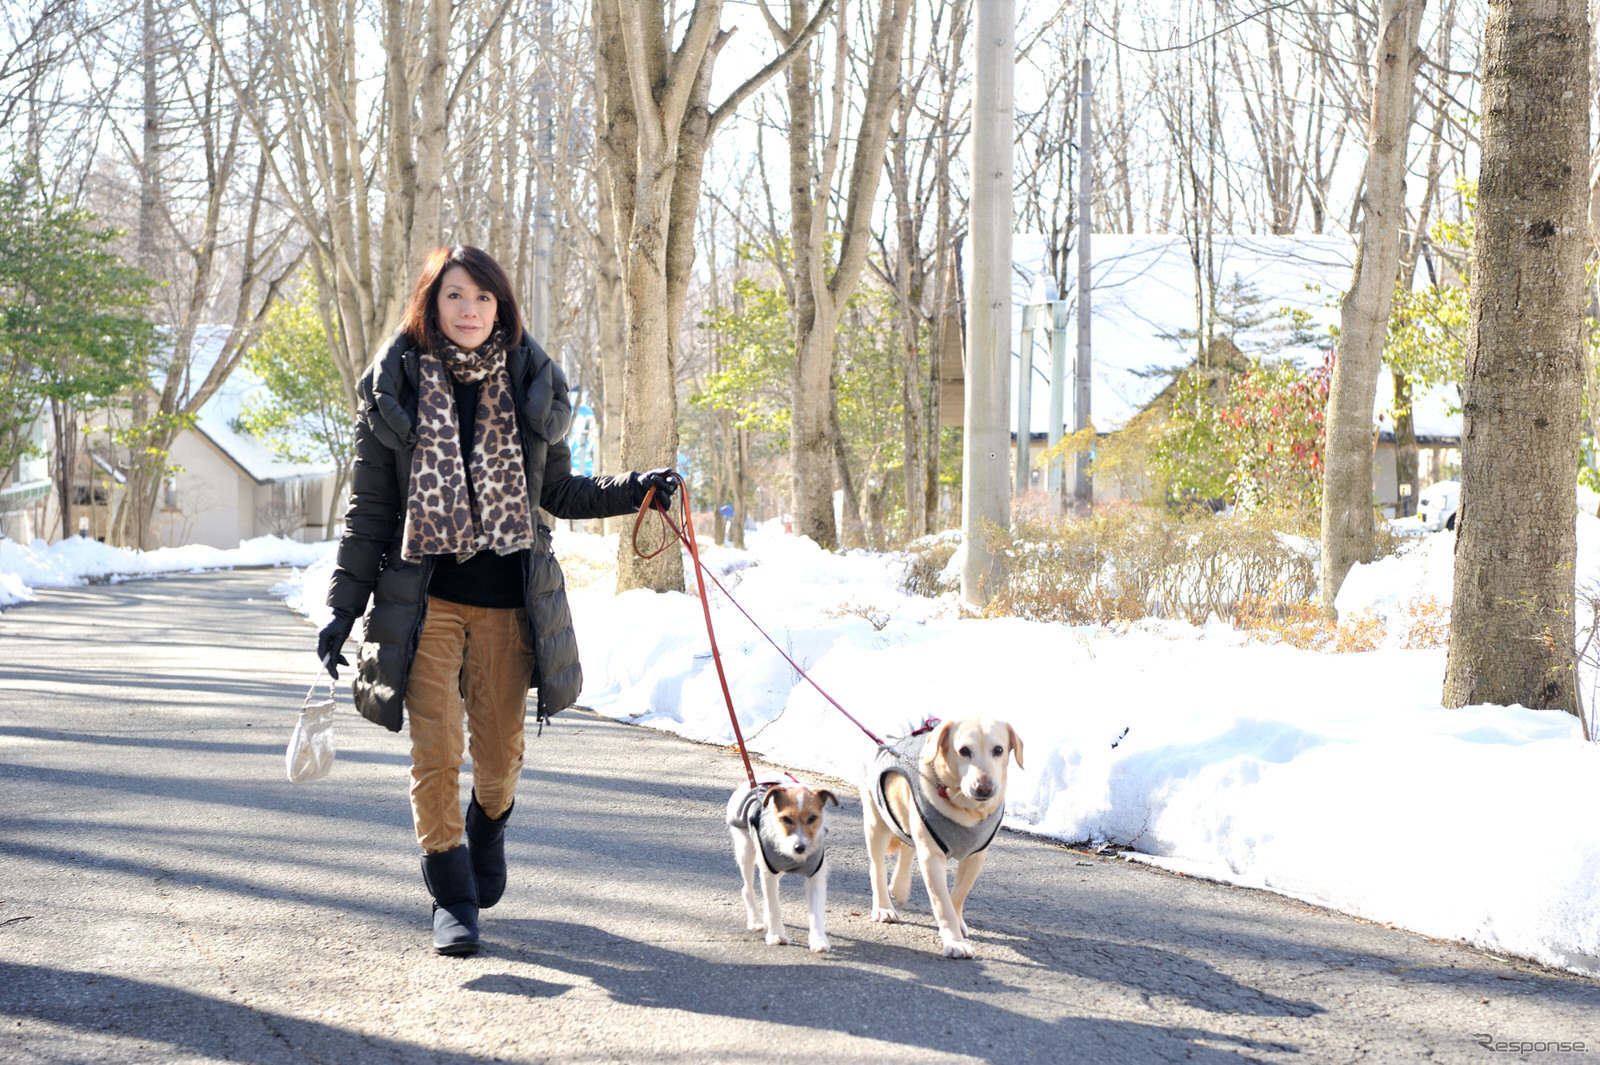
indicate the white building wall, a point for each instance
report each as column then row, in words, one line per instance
column 212, row 501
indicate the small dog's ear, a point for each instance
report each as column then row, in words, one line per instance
column 1016, row 745
column 771, row 794
column 827, row 796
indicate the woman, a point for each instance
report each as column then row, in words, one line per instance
column 460, row 440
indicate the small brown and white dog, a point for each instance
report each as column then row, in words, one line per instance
column 942, row 791
column 781, row 826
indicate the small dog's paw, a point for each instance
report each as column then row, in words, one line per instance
column 885, row 914
column 754, row 923
column 819, row 945
column 777, row 939
column 956, row 948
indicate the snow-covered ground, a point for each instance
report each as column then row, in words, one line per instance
column 1334, row 778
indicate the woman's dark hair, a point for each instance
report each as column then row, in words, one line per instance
column 421, row 318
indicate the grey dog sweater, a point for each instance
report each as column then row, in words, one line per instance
column 745, row 811
column 904, row 758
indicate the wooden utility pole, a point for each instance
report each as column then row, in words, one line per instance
column 985, row 500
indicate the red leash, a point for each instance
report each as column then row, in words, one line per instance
column 700, row 573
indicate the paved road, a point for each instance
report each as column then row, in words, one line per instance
column 168, row 897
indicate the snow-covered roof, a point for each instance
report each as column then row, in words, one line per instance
column 1143, row 294
column 215, row 419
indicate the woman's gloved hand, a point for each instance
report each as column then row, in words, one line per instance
column 331, row 639
column 664, row 480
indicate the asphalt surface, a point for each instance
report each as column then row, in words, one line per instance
column 169, row 897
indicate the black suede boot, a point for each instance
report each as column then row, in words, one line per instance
column 486, row 839
column 448, row 875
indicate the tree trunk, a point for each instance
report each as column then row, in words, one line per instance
column 65, row 422
column 741, row 482
column 908, row 283
column 821, row 295
column 1405, row 446
column 150, row 168
column 1511, row 628
column 640, row 144
column 430, row 149
column 950, row 348
column 1347, row 523
column 1414, row 249
column 611, row 326
column 948, row 338
column 852, row 530
column 1591, row 359
column 649, row 377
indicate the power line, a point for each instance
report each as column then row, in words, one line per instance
column 1198, row 40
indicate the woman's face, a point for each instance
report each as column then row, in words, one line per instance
column 466, row 312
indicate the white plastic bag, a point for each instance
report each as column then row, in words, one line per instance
column 310, row 752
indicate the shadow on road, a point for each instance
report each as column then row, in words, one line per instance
column 923, row 1008
column 212, row 1028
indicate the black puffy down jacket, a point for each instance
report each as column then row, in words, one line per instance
column 371, row 578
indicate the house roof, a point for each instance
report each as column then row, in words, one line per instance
column 1143, row 294
column 215, row 419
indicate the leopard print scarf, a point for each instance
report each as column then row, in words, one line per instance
column 451, row 510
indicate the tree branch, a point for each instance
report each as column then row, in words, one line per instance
column 766, row 73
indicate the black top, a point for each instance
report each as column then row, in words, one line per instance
column 485, row 579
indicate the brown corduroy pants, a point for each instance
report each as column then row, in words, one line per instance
column 473, row 665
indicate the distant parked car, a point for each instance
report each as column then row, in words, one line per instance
column 1436, row 507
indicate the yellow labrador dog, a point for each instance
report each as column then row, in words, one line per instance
column 942, row 791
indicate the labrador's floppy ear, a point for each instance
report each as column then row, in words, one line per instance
column 1016, row 745
column 937, row 752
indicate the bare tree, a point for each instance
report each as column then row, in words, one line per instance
column 1511, row 627
column 1270, row 91
column 931, row 260
column 657, row 120
column 821, row 293
column 1413, row 249
column 1187, row 94
column 342, row 159
column 38, row 48
column 204, row 225
column 1347, row 519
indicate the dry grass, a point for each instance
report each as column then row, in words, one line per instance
column 879, row 619
column 926, row 559
column 1125, row 563
column 1429, row 624
column 1271, row 619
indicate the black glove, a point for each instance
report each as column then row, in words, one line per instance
column 664, row 481
column 331, row 639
